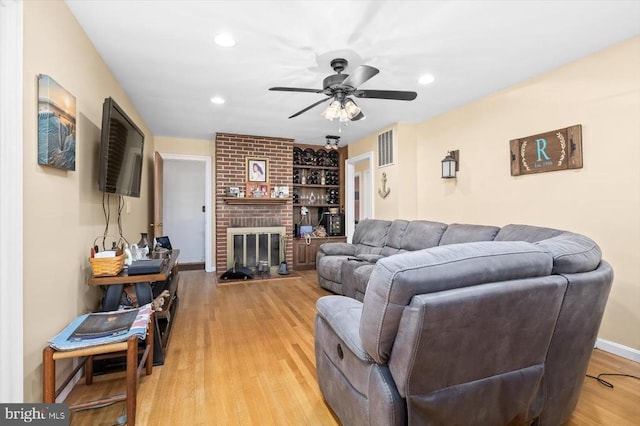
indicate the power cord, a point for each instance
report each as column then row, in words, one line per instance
column 107, row 214
column 121, row 204
column 608, row 384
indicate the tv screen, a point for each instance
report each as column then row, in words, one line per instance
column 121, row 148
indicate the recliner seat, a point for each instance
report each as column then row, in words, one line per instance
column 486, row 326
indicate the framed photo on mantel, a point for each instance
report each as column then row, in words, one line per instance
column 258, row 189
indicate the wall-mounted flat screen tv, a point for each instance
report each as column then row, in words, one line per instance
column 121, row 152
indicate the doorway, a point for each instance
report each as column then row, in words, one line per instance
column 11, row 196
column 186, row 206
column 361, row 166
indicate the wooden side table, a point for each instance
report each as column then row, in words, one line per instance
column 50, row 355
column 113, row 290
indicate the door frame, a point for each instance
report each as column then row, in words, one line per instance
column 11, row 196
column 366, row 196
column 208, row 264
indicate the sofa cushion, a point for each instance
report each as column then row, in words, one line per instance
column 526, row 233
column 572, row 253
column 343, row 315
column 330, row 267
column 336, row 339
column 333, row 249
column 396, row 279
column 422, row 234
column 461, row 233
column 370, row 236
column 394, row 237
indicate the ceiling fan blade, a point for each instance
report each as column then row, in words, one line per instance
column 360, row 75
column 386, row 94
column 310, row 106
column 295, row 89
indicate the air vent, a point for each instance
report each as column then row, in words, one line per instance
column 385, row 148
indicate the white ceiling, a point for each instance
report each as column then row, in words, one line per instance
column 163, row 55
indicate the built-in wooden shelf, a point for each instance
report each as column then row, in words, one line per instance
column 249, row 200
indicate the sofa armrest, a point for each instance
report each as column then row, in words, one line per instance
column 338, row 249
column 343, row 316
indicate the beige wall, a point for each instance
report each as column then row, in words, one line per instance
column 602, row 200
column 199, row 147
column 401, row 201
column 203, row 147
column 63, row 209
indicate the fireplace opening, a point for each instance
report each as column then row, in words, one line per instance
column 249, row 246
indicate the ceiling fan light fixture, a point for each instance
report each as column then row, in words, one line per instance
column 351, row 108
column 343, row 110
column 332, row 142
column 332, row 111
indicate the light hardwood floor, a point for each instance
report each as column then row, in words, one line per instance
column 242, row 354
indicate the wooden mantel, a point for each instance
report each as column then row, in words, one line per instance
column 250, row 200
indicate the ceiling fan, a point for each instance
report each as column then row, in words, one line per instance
column 340, row 87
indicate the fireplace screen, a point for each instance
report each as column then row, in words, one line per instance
column 248, row 246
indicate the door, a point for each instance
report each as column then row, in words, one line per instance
column 356, row 198
column 184, row 207
column 361, row 165
column 158, row 176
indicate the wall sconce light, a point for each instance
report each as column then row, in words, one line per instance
column 451, row 164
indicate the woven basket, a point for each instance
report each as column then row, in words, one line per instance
column 107, row 266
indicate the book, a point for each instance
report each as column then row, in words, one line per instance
column 62, row 341
column 103, row 324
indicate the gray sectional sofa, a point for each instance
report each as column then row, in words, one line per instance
column 457, row 324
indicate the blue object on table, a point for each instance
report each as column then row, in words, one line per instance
column 61, row 341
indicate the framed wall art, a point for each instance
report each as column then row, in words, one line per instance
column 559, row 149
column 56, row 125
column 257, row 170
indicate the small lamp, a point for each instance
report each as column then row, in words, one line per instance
column 450, row 164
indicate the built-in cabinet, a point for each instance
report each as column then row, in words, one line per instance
column 305, row 250
column 318, row 195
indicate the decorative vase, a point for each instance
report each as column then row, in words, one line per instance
column 144, row 242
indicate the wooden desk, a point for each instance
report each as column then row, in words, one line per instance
column 114, row 286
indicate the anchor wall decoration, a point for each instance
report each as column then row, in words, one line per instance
column 384, row 191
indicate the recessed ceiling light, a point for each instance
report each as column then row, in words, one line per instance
column 224, row 40
column 217, row 100
column 426, row 79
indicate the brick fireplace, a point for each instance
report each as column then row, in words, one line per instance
column 232, row 151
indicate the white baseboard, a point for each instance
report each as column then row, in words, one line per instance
column 67, row 389
column 618, row 349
